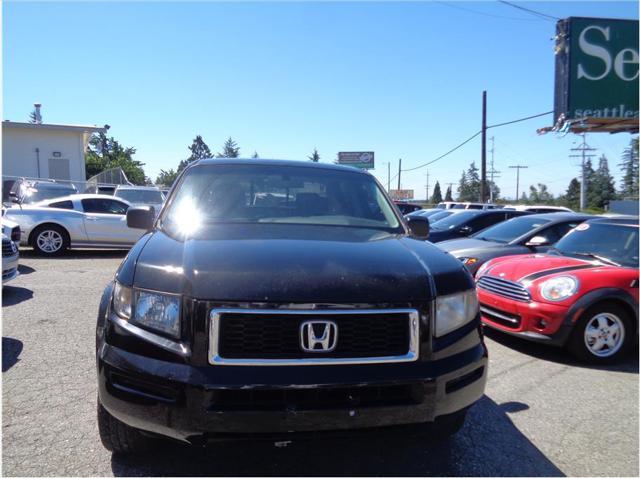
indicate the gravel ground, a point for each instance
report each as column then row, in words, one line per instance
column 543, row 413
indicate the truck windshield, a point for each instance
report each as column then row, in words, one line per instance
column 229, row 193
column 617, row 243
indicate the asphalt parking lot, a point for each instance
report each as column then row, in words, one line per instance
column 543, row 413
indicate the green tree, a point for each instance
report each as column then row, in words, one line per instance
column 230, row 149
column 571, row 199
column 602, row 189
column 630, row 170
column 463, row 187
column 106, row 153
column 540, row 195
column 315, row 157
column 199, row 150
column 437, row 194
column 523, row 198
column 448, row 196
column 255, row 155
column 166, row 178
column 32, row 117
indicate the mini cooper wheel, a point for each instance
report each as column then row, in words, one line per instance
column 119, row 437
column 602, row 335
column 50, row 240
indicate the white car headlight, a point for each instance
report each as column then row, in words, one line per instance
column 559, row 288
column 455, row 310
column 154, row 310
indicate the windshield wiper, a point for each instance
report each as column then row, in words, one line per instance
column 596, row 256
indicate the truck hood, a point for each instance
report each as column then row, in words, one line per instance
column 294, row 264
column 534, row 266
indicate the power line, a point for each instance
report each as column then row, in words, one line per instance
column 484, row 13
column 519, row 120
column 533, row 12
column 472, row 137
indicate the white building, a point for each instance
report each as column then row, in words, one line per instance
column 36, row 150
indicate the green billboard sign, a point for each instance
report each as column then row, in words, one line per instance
column 597, row 71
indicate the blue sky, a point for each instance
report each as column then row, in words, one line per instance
column 401, row 79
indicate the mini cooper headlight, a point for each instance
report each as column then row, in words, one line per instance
column 559, row 288
column 481, row 270
column 455, row 310
column 154, row 310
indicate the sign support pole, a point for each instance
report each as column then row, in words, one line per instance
column 399, row 172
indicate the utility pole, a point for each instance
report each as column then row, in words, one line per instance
column 399, row 172
column 583, row 148
column 389, row 176
column 518, row 168
column 427, row 189
column 483, row 169
column 492, row 171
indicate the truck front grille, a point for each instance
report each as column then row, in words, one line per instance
column 505, row 288
column 275, row 335
column 316, row 398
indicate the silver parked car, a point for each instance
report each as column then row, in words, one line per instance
column 141, row 196
column 76, row 221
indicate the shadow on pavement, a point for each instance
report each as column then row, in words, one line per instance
column 14, row 295
column 488, row 445
column 78, row 254
column 628, row 364
column 11, row 349
column 25, row 270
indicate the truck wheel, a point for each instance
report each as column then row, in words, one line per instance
column 602, row 335
column 118, row 437
column 50, row 240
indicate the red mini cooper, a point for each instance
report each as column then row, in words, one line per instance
column 583, row 293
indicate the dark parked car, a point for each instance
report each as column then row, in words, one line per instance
column 26, row 191
column 312, row 309
column 520, row 235
column 467, row 222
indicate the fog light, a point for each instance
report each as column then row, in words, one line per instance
column 542, row 323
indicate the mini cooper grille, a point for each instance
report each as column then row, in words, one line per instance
column 8, row 249
column 277, row 336
column 505, row 288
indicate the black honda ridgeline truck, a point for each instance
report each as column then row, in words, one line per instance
column 272, row 297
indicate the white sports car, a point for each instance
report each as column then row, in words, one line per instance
column 76, row 221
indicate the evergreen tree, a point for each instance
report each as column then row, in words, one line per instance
column 255, row 155
column 199, row 150
column 602, row 189
column 315, row 157
column 106, row 153
column 473, row 179
column 448, row 196
column 463, row 187
column 523, row 198
column 230, row 149
column 437, row 194
column 571, row 198
column 166, row 178
column 630, row 170
column 32, row 117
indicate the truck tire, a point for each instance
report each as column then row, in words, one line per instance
column 118, row 437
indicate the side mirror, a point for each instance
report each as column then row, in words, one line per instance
column 419, row 227
column 466, row 230
column 141, row 217
column 536, row 241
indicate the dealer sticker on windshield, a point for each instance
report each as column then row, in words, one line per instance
column 582, row 227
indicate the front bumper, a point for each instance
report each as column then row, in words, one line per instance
column 10, row 268
column 187, row 402
column 535, row 321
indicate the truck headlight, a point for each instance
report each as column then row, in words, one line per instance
column 558, row 288
column 455, row 310
column 153, row 310
column 467, row 261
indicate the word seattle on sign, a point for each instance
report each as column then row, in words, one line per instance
column 597, row 74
